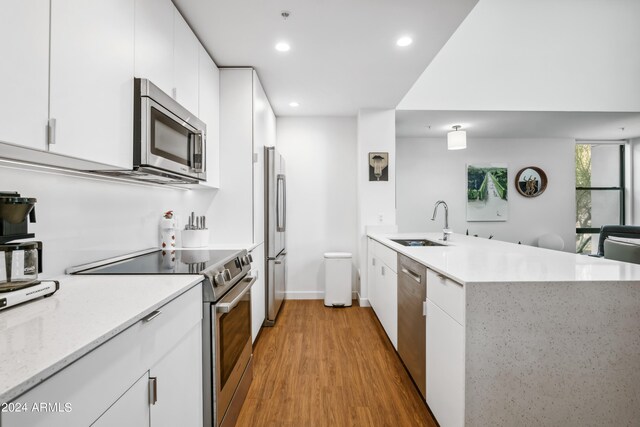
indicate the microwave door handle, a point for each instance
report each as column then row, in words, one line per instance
column 195, row 147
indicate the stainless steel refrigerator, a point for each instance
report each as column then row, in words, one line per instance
column 275, row 208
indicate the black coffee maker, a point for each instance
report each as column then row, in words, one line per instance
column 20, row 259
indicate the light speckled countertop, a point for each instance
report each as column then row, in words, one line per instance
column 468, row 259
column 41, row 337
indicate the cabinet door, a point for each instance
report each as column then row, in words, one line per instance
column 24, row 74
column 154, row 42
column 185, row 64
column 258, row 292
column 372, row 279
column 388, row 293
column 445, row 367
column 179, row 384
column 131, row 409
column 264, row 134
column 209, row 112
column 92, row 63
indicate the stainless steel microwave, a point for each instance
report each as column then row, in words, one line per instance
column 168, row 141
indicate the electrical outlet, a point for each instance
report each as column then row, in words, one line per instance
column 380, row 218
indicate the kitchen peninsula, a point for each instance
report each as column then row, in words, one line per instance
column 519, row 335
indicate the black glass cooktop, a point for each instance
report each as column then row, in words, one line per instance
column 167, row 262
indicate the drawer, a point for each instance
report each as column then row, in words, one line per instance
column 94, row 382
column 386, row 255
column 446, row 294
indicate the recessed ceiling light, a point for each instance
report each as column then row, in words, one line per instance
column 404, row 41
column 294, row 104
column 283, row 47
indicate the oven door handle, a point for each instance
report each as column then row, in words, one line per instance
column 226, row 307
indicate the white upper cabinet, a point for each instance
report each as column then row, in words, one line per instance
column 154, row 42
column 209, row 112
column 91, row 86
column 185, row 64
column 24, row 74
column 167, row 52
column 264, row 135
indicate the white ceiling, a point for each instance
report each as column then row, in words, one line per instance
column 343, row 54
column 519, row 124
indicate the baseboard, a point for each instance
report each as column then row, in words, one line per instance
column 364, row 302
column 311, row 295
column 304, row 295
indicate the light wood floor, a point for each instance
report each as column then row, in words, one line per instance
column 324, row 366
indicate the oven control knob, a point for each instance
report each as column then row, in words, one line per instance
column 226, row 274
column 245, row 260
column 250, row 258
column 238, row 263
column 219, row 278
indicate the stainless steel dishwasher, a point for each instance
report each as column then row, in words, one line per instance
column 412, row 294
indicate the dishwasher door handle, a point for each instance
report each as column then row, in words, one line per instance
column 414, row 276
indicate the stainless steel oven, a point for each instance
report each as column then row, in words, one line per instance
column 232, row 337
column 167, row 138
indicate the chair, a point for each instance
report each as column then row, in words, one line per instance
column 622, row 251
column 623, row 231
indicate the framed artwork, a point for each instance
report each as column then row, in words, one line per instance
column 531, row 181
column 487, row 192
column 378, row 166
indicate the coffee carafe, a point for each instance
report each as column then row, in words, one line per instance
column 20, row 260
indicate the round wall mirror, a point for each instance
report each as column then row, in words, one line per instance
column 531, row 181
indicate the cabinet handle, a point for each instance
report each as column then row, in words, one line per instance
column 151, row 316
column 424, row 308
column 382, row 270
column 153, row 390
column 373, row 262
column 52, row 131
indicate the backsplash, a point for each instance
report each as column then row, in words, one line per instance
column 82, row 219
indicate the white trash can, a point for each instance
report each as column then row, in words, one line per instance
column 337, row 289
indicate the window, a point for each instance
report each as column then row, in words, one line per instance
column 599, row 191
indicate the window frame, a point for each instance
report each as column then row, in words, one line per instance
column 620, row 188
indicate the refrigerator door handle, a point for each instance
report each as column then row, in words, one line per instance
column 280, row 192
column 284, row 203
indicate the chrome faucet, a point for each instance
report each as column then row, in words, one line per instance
column 445, row 231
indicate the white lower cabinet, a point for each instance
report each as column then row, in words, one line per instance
column 445, row 367
column 388, row 294
column 131, row 409
column 383, row 290
column 111, row 385
column 175, row 376
column 258, row 291
column 372, row 280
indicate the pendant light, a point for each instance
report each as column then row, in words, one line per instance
column 457, row 139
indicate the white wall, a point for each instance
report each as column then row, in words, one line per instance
column 376, row 199
column 427, row 172
column 544, row 55
column 320, row 155
column 81, row 220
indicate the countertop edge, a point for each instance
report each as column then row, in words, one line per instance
column 385, row 239
column 43, row 375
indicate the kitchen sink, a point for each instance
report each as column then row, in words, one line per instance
column 416, row 242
